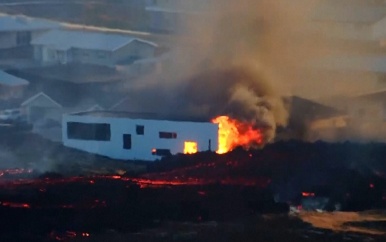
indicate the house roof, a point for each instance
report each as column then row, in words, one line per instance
column 137, row 115
column 66, row 39
column 305, row 109
column 10, row 80
column 40, row 94
column 23, row 23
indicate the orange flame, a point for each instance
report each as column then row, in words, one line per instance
column 233, row 133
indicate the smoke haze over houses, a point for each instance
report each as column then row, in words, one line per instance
column 240, row 58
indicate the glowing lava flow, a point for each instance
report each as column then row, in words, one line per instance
column 233, row 133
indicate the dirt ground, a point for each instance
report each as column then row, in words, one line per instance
column 265, row 229
column 348, row 221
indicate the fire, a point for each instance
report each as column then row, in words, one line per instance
column 233, row 133
column 190, row 147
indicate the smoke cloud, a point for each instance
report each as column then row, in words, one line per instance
column 241, row 57
column 239, row 91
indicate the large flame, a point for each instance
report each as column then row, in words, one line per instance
column 233, row 133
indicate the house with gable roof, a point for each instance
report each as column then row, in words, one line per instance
column 39, row 106
column 65, row 46
column 18, row 30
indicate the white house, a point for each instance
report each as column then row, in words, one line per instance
column 16, row 31
column 65, row 46
column 41, row 106
column 135, row 136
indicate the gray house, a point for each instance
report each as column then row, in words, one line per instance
column 64, row 46
column 16, row 31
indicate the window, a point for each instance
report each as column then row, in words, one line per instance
column 88, row 131
column 190, row 147
column 76, row 52
column 161, row 152
column 23, row 38
column 167, row 135
column 85, row 53
column 140, row 129
column 127, row 141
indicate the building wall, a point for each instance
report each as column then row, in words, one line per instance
column 16, row 39
column 37, row 113
column 142, row 145
column 98, row 57
column 42, row 108
column 133, row 51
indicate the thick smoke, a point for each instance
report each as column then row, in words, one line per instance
column 241, row 57
column 239, row 91
column 222, row 64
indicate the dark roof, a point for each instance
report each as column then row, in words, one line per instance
column 306, row 109
column 137, row 115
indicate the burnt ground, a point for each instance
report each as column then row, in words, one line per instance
column 109, row 207
column 52, row 193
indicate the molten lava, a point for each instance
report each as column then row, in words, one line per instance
column 233, row 133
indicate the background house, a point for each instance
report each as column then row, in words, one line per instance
column 310, row 120
column 18, row 31
column 136, row 135
column 41, row 106
column 11, row 87
column 64, row 46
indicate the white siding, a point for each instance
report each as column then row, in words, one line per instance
column 142, row 145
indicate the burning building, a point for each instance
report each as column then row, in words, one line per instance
column 136, row 136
